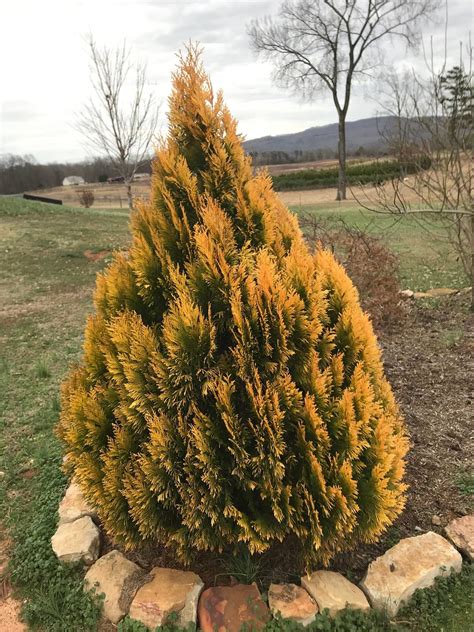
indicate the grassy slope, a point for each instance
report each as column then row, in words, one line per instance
column 45, row 294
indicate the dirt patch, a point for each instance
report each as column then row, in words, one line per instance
column 29, row 473
column 96, row 256
column 9, row 616
column 9, row 607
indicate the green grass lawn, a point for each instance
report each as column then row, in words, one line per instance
column 426, row 258
column 45, row 295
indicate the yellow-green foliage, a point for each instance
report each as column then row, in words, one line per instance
column 231, row 388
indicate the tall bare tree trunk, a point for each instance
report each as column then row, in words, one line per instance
column 129, row 194
column 341, row 151
column 472, row 257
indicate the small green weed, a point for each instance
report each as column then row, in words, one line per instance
column 393, row 536
column 4, row 368
column 465, row 482
column 171, row 625
column 245, row 567
column 56, row 404
column 451, row 337
column 42, row 370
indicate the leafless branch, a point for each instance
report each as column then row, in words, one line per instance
column 319, row 45
column 434, row 130
column 122, row 130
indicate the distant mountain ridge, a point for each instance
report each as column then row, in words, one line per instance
column 361, row 133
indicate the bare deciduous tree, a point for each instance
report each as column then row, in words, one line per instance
column 328, row 44
column 434, row 131
column 122, row 129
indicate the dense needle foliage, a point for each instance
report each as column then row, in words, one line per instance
column 231, row 389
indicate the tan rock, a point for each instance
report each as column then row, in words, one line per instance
column 334, row 592
column 228, row 608
column 292, row 602
column 436, row 292
column 169, row 592
column 74, row 505
column 118, row 579
column 411, row 564
column 77, row 541
column 461, row 533
column 442, row 291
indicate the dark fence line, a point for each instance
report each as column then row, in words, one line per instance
column 37, row 198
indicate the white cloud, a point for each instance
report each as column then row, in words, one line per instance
column 44, row 71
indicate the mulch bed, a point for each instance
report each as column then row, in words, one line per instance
column 429, row 360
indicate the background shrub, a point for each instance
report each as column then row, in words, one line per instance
column 86, row 198
column 371, row 264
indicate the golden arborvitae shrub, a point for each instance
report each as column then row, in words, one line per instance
column 231, row 388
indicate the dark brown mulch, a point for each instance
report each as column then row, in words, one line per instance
column 429, row 360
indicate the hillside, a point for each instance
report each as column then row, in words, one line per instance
column 362, row 133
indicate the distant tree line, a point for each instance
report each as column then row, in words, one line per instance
column 24, row 173
column 260, row 158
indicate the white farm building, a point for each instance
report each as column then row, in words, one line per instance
column 72, row 181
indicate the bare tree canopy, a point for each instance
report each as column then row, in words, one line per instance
column 122, row 128
column 328, row 44
column 435, row 117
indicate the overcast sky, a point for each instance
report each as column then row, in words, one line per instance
column 44, row 76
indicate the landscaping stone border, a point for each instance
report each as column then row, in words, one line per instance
column 153, row 597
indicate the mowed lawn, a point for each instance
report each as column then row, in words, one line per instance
column 49, row 257
column 45, row 294
column 425, row 256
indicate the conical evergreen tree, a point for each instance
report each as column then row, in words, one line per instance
column 231, row 389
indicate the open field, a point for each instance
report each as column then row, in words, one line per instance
column 49, row 257
column 114, row 196
column 289, row 167
column 106, row 195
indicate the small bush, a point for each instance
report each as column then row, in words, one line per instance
column 86, row 198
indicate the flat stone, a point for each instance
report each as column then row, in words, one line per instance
column 74, row 505
column 118, row 579
column 77, row 541
column 461, row 533
column 292, row 602
column 436, row 292
column 169, row 592
column 228, row 608
column 332, row 591
column 411, row 564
